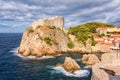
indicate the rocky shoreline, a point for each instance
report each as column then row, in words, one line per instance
column 48, row 37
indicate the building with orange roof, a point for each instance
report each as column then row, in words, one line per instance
column 101, row 30
column 104, row 30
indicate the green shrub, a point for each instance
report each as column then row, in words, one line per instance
column 54, row 41
column 70, row 45
column 47, row 40
column 30, row 29
column 94, row 42
column 101, row 35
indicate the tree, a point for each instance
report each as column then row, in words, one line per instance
column 82, row 31
column 70, row 45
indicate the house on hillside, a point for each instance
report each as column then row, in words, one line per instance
column 107, row 30
column 102, row 31
column 113, row 29
column 115, row 36
column 116, row 45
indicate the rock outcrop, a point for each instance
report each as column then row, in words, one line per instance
column 77, row 46
column 90, row 59
column 47, row 37
column 46, row 40
column 57, row 21
column 70, row 65
column 110, row 61
column 88, row 46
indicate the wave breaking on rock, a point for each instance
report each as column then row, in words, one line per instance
column 15, row 52
column 78, row 73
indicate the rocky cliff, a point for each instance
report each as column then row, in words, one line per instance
column 46, row 40
column 47, row 37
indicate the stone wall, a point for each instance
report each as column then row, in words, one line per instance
column 57, row 21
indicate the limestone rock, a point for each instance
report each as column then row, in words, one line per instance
column 90, row 59
column 26, row 52
column 78, row 47
column 110, row 61
column 57, row 21
column 85, row 58
column 59, row 65
column 88, row 46
column 44, row 40
column 70, row 65
column 47, row 37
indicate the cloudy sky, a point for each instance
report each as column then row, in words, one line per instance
column 16, row 15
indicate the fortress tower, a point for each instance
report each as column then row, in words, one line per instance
column 56, row 21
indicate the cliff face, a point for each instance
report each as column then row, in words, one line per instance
column 46, row 38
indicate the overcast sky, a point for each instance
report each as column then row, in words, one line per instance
column 17, row 15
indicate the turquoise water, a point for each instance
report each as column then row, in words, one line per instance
column 14, row 67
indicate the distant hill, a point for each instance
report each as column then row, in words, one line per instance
column 83, row 31
column 90, row 26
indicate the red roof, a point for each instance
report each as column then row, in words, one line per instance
column 115, row 35
column 101, row 28
column 109, row 44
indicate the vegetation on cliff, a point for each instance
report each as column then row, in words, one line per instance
column 30, row 29
column 49, row 41
column 70, row 45
column 84, row 31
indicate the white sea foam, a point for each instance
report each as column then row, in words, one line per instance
column 15, row 52
column 50, row 66
column 86, row 67
column 46, row 57
column 77, row 59
column 78, row 73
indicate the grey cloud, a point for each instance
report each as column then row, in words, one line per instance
column 114, row 19
column 74, row 11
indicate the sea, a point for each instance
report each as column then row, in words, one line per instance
column 15, row 67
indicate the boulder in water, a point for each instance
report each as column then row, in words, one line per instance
column 70, row 64
column 90, row 59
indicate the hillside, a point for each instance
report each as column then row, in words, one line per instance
column 48, row 37
column 85, row 31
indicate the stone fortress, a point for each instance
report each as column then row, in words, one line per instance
column 57, row 21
